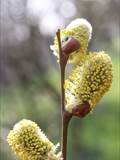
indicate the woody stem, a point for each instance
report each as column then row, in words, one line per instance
column 64, row 115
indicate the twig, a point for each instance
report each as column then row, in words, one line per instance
column 62, row 70
column 64, row 115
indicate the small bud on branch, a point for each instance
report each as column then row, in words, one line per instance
column 71, row 46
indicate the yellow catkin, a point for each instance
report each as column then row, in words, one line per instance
column 89, row 80
column 30, row 143
column 81, row 30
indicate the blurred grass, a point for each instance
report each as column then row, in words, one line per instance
column 94, row 138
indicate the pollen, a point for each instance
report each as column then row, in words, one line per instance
column 89, row 80
column 30, row 143
column 81, row 30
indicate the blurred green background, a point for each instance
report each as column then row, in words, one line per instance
column 29, row 74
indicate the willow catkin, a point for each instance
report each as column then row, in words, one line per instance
column 30, row 143
column 81, row 30
column 89, row 80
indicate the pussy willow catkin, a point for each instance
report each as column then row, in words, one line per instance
column 79, row 29
column 89, row 80
column 30, row 143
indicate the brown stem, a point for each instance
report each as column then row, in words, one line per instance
column 65, row 115
column 65, row 122
column 62, row 71
column 62, row 89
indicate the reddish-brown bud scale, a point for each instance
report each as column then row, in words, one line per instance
column 81, row 110
column 71, row 46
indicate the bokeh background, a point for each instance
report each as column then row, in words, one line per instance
column 29, row 73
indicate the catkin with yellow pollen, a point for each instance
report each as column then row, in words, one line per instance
column 30, row 143
column 89, row 80
column 81, row 30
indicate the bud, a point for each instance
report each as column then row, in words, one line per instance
column 87, row 83
column 71, row 46
column 30, row 143
column 81, row 110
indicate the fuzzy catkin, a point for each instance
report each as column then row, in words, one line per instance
column 30, row 143
column 89, row 80
column 79, row 29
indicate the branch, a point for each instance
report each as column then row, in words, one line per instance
column 64, row 114
column 62, row 70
